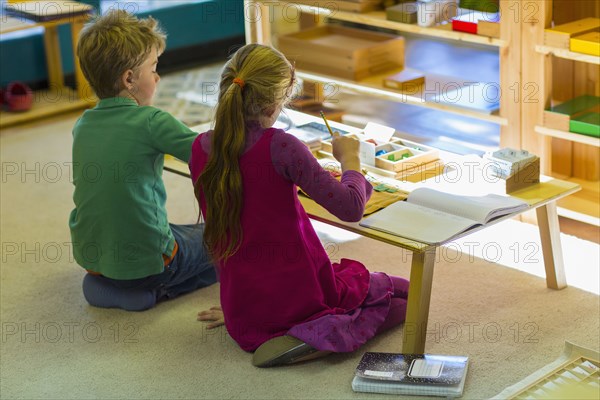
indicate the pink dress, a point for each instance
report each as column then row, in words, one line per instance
column 281, row 280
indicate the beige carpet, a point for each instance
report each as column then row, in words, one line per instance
column 55, row 346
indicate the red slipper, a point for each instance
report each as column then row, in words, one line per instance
column 18, row 97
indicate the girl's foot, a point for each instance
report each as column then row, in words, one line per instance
column 284, row 350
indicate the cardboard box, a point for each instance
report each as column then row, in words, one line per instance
column 344, row 52
column 560, row 35
column 588, row 43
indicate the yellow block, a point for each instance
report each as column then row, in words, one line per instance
column 560, row 35
column 588, row 43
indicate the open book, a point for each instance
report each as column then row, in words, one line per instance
column 431, row 216
column 411, row 374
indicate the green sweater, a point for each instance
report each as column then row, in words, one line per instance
column 119, row 226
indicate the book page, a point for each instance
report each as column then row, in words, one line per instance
column 416, row 222
column 478, row 208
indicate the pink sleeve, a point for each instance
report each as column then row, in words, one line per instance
column 294, row 161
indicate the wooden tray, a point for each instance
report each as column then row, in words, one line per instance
column 417, row 154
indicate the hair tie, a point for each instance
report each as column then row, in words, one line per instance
column 240, row 82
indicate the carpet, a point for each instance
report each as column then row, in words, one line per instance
column 55, row 346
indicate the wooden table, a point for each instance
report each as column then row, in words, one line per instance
column 540, row 196
column 58, row 98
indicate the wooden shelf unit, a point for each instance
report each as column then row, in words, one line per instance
column 526, row 81
column 58, row 98
column 378, row 19
column 258, row 30
column 560, row 75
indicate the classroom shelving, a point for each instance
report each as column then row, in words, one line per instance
column 526, row 68
column 560, row 75
column 259, row 18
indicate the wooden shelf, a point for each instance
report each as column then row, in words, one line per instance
column 573, row 137
column 567, row 54
column 373, row 86
column 46, row 103
column 583, row 205
column 378, row 19
column 262, row 14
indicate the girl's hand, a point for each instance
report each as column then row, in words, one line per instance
column 215, row 314
column 345, row 150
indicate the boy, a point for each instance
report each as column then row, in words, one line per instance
column 119, row 227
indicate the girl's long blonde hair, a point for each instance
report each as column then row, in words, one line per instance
column 263, row 82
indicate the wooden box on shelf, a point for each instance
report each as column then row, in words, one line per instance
column 408, row 80
column 562, row 116
column 560, row 35
column 403, row 12
column 489, row 28
column 343, row 52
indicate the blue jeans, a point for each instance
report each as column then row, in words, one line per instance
column 191, row 268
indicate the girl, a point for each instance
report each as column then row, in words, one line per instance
column 280, row 294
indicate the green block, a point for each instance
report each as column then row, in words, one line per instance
column 491, row 6
column 587, row 124
column 576, row 105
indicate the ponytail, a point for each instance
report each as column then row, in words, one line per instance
column 255, row 79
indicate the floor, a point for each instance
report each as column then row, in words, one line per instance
column 492, row 306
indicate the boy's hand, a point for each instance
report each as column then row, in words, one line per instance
column 345, row 150
column 214, row 314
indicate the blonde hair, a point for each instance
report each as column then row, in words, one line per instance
column 263, row 81
column 114, row 43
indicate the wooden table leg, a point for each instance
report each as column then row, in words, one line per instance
column 84, row 91
column 419, row 294
column 257, row 22
column 56, row 79
column 547, row 218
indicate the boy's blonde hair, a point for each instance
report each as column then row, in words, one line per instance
column 254, row 82
column 114, row 43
